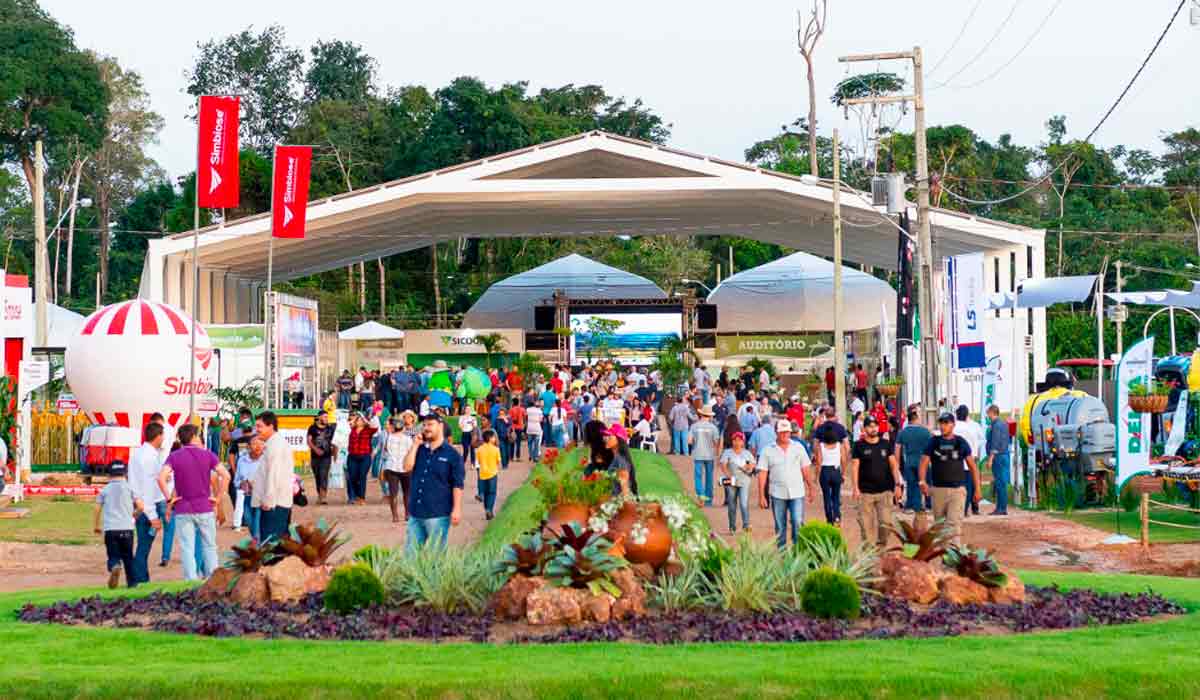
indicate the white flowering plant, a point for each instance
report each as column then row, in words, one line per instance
column 689, row 531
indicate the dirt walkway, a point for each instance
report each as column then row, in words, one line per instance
column 25, row 565
column 1023, row 539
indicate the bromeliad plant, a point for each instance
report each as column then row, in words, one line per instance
column 314, row 544
column 975, row 564
column 250, row 555
column 583, row 561
column 931, row 541
column 526, row 557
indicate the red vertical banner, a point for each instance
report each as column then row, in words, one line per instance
column 289, row 191
column 217, row 166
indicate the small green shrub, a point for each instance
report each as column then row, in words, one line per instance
column 353, row 587
column 446, row 579
column 829, row 594
column 749, row 581
column 372, row 555
column 815, row 533
column 689, row 590
column 1131, row 498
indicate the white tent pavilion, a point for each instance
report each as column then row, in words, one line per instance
column 62, row 325
column 795, row 293
column 510, row 302
column 371, row 330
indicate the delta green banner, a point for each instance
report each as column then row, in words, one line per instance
column 797, row 345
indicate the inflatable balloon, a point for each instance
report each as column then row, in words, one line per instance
column 132, row 359
column 476, row 384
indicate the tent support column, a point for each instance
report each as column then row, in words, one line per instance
column 839, row 334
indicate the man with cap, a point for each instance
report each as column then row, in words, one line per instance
column 875, row 477
column 789, row 481
column 435, row 495
column 943, row 474
column 705, row 442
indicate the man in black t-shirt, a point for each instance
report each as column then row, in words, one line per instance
column 322, row 451
column 875, row 476
column 943, row 463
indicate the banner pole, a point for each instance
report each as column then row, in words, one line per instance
column 268, row 344
column 195, row 276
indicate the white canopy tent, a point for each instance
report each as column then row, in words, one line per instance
column 371, row 330
column 795, row 293
column 510, row 302
column 1040, row 293
column 62, row 325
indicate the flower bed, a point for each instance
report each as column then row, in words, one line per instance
column 881, row 617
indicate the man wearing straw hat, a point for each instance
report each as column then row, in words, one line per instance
column 704, row 440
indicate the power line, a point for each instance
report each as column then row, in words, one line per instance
column 953, row 45
column 1091, row 133
column 1127, row 186
column 986, row 46
column 1020, row 51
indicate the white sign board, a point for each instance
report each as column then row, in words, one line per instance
column 33, row 374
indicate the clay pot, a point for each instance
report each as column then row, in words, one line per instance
column 657, row 547
column 565, row 513
column 888, row 390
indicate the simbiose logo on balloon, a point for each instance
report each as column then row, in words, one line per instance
column 174, row 386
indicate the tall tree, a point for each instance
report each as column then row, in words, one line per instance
column 49, row 90
column 1181, row 169
column 339, row 70
column 264, row 71
column 807, row 36
column 120, row 165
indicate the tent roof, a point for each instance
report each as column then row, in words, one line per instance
column 795, row 293
column 62, row 326
column 371, row 330
column 510, row 302
column 593, row 183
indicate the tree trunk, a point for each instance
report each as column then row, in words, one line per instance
column 437, row 289
column 1062, row 198
column 812, row 121
column 350, row 278
column 362, row 286
column 105, row 235
column 382, row 290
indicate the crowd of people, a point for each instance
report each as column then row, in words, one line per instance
column 742, row 435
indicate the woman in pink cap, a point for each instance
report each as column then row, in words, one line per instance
column 616, row 439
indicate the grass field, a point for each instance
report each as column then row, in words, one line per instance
column 1131, row 525
column 1149, row 660
column 57, row 520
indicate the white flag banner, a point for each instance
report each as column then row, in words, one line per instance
column 885, row 343
column 1177, row 433
column 967, row 302
column 991, row 386
column 1133, row 429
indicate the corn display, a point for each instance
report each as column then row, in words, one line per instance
column 55, row 436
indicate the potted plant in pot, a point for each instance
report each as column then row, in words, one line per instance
column 890, row 386
column 567, row 494
column 1149, row 398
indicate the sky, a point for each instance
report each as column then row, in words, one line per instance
column 724, row 74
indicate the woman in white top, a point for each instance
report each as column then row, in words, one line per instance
column 558, row 428
column 467, row 425
column 642, row 433
column 395, row 448
column 738, row 468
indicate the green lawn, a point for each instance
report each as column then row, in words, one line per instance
column 57, row 520
column 1149, row 660
column 1131, row 524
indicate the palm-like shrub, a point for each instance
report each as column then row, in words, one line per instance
column 830, row 594
column 314, row 544
column 249, row 555
column 353, row 587
column 931, row 541
column 976, row 564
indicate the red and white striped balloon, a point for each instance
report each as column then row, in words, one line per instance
column 131, row 360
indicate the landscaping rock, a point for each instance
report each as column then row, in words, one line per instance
column 1011, row 592
column 957, row 590
column 643, row 571
column 287, row 580
column 596, row 608
column 632, row 601
column 316, row 578
column 509, row 602
column 251, row 589
column 217, row 586
column 550, row 605
column 914, row 581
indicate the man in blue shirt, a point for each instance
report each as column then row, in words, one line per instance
column 762, row 436
column 998, row 444
column 435, row 494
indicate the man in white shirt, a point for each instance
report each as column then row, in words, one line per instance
column 533, row 430
column 789, row 480
column 764, row 380
column 271, row 488
column 857, row 406
column 144, row 466
column 703, row 382
column 973, row 433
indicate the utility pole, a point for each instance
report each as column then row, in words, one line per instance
column 926, row 299
column 40, row 267
column 1120, row 313
column 839, row 335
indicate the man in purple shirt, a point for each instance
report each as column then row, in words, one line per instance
column 200, row 479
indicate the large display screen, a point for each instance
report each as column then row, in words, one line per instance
column 632, row 339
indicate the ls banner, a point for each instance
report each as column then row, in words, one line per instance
column 217, row 169
column 1133, row 429
column 965, row 277
column 289, row 192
